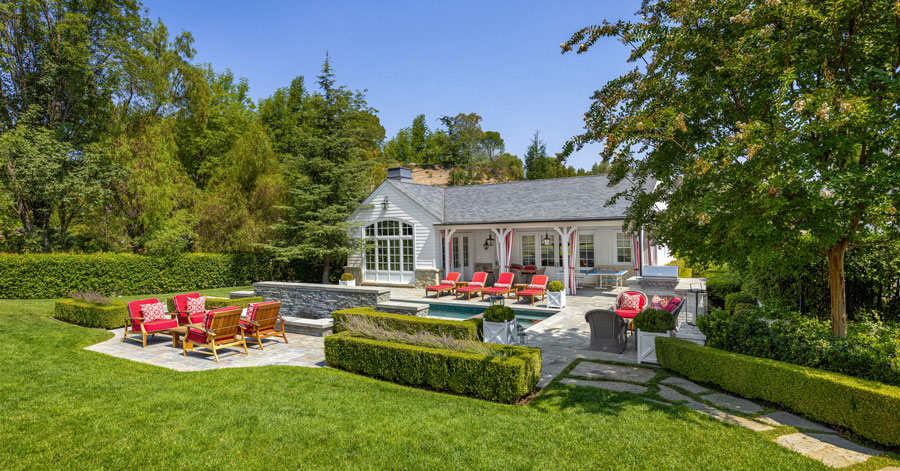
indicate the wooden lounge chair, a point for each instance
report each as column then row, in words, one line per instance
column 221, row 328
column 135, row 323
column 185, row 317
column 607, row 331
column 474, row 287
column 629, row 313
column 503, row 286
column 264, row 323
column 447, row 284
column 537, row 287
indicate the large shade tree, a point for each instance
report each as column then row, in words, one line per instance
column 771, row 126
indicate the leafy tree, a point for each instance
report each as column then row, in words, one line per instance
column 465, row 138
column 768, row 125
column 538, row 165
column 329, row 139
column 492, row 144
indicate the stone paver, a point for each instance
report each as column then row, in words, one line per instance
column 842, row 442
column 302, row 350
column 607, row 385
column 827, row 453
column 890, row 468
column 736, row 404
column 726, row 417
column 687, row 385
column 619, row 372
column 786, row 418
column 670, row 394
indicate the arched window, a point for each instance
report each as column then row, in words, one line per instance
column 390, row 251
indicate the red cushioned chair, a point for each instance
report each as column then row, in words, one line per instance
column 264, row 324
column 537, row 287
column 628, row 314
column 504, row 285
column 221, row 328
column 184, row 317
column 452, row 277
column 475, row 286
column 135, row 324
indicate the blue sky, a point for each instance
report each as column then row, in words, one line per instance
column 498, row 59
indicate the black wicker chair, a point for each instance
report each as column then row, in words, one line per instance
column 607, row 331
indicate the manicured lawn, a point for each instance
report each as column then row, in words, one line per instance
column 65, row 407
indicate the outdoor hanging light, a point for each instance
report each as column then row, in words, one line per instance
column 489, row 242
column 486, row 245
column 546, row 240
column 384, row 203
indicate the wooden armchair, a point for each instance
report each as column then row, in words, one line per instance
column 263, row 323
column 136, row 324
column 221, row 328
column 185, row 317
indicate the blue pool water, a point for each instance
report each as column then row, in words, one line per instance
column 525, row 317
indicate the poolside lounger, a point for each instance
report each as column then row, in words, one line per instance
column 537, row 287
column 447, row 284
column 504, row 285
column 473, row 287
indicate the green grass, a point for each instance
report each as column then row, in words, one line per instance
column 64, row 407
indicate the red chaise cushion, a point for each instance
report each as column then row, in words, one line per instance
column 628, row 313
column 161, row 324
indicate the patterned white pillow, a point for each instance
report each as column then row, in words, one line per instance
column 631, row 301
column 251, row 311
column 153, row 312
column 658, row 303
column 502, row 285
column 534, row 286
column 196, row 305
column 448, row 282
column 476, row 283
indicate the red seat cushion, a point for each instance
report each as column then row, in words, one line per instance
column 467, row 289
column 531, row 292
column 628, row 313
column 197, row 336
column 437, row 287
column 194, row 318
column 161, row 324
column 495, row 290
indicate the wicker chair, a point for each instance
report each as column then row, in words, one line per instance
column 221, row 328
column 518, row 277
column 607, row 331
column 264, row 324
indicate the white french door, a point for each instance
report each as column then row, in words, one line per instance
column 462, row 255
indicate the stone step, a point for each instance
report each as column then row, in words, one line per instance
column 314, row 327
column 726, row 417
column 835, row 452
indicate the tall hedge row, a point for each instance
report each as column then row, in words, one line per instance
column 32, row 276
column 866, row 407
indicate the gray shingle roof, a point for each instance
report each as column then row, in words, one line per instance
column 558, row 199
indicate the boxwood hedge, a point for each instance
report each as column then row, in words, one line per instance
column 30, row 276
column 733, row 299
column 720, row 285
column 460, row 330
column 866, row 407
column 105, row 316
column 498, row 378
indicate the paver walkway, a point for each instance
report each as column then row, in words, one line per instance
column 808, row 438
column 301, row 350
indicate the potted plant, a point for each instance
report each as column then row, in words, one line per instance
column 347, row 280
column 500, row 325
column 556, row 294
column 649, row 324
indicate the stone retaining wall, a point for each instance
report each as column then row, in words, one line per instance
column 315, row 301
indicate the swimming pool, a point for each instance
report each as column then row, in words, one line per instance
column 525, row 317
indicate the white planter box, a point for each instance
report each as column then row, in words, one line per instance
column 347, row 283
column 646, row 345
column 506, row 333
column 556, row 299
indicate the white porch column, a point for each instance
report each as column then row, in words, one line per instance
column 565, row 234
column 448, row 250
column 502, row 250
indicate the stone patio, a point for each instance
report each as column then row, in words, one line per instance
column 301, row 350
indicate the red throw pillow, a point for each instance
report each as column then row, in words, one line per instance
column 673, row 303
column 631, row 301
column 207, row 319
column 153, row 312
column 658, row 303
column 251, row 311
column 196, row 305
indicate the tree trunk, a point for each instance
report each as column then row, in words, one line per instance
column 326, row 271
column 836, row 285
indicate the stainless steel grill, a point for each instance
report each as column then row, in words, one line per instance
column 659, row 278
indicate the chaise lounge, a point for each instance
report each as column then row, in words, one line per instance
column 537, row 287
column 473, row 287
column 447, row 284
column 501, row 287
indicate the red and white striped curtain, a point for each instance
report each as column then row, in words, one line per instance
column 449, row 240
column 573, row 258
column 508, row 246
column 635, row 254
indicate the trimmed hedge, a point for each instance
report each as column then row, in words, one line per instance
column 654, row 320
column 104, row 316
column 720, row 285
column 866, row 407
column 216, row 303
column 733, row 299
column 459, row 330
column 31, row 276
column 500, row 378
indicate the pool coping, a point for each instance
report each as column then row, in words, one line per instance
column 556, row 315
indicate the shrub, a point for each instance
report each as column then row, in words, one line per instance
column 216, row 303
column 90, row 297
column 732, row 299
column 460, row 330
column 497, row 313
column 374, row 328
column 347, row 277
column 866, row 407
column 720, row 285
column 871, row 349
column 505, row 377
column 744, row 308
column 30, row 276
column 105, row 316
column 556, row 286
column 654, row 320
